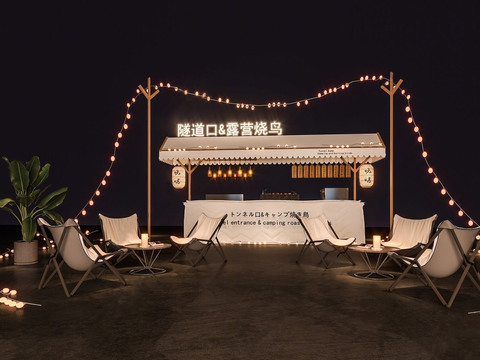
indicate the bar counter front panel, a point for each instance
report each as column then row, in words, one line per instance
column 272, row 221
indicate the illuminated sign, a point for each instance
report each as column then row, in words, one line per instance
column 178, row 177
column 246, row 128
column 366, row 176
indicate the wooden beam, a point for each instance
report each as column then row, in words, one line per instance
column 391, row 91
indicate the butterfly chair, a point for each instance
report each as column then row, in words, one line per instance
column 410, row 233
column 73, row 248
column 202, row 236
column 323, row 238
column 451, row 248
column 119, row 232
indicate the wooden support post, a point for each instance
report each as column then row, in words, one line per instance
column 391, row 91
column 148, row 94
column 355, row 169
column 189, row 171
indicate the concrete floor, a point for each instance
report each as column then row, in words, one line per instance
column 259, row 305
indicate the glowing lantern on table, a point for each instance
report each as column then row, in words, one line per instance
column 366, row 176
column 178, row 177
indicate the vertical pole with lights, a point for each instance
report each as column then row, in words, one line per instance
column 147, row 93
column 391, row 91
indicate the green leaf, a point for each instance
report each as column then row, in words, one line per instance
column 52, row 200
column 29, row 228
column 42, row 176
column 52, row 215
column 19, row 177
column 33, row 167
column 5, row 202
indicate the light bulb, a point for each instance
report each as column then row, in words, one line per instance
column 460, row 213
column 451, row 202
column 19, row 305
column 443, row 191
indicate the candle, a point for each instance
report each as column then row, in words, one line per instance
column 377, row 242
column 144, row 242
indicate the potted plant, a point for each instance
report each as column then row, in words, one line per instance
column 30, row 203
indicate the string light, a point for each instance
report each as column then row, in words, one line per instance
column 298, row 103
column 8, row 298
column 436, row 179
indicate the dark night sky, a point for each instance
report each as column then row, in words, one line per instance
column 68, row 71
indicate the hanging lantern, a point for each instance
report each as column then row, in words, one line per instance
column 178, row 177
column 366, row 176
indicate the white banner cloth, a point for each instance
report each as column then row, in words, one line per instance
column 272, row 221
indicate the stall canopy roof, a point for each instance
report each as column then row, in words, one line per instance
column 282, row 149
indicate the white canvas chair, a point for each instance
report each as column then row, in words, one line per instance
column 199, row 240
column 408, row 233
column 73, row 248
column 451, row 248
column 323, row 238
column 119, row 232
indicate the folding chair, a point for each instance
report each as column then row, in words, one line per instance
column 119, row 232
column 408, row 233
column 320, row 234
column 72, row 247
column 202, row 236
column 451, row 248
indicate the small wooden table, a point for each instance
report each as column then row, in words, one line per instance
column 373, row 272
column 147, row 261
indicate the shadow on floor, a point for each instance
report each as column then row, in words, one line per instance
column 259, row 305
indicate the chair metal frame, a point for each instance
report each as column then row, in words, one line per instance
column 56, row 260
column 324, row 247
column 462, row 259
column 200, row 246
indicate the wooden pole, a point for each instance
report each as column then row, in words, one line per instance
column 391, row 91
column 148, row 94
column 189, row 171
column 355, row 169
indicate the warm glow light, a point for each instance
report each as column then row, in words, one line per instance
column 430, row 170
column 460, row 213
column 451, row 202
column 443, row 191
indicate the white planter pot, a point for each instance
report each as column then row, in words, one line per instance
column 25, row 253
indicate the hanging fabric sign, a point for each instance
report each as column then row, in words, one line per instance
column 178, row 177
column 366, row 176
